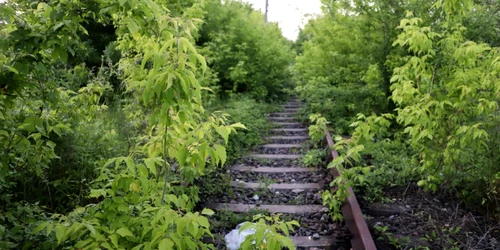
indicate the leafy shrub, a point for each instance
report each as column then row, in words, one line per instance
column 268, row 234
column 314, row 157
column 248, row 55
column 250, row 113
column 445, row 91
column 391, row 164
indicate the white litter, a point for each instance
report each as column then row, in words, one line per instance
column 255, row 198
column 234, row 239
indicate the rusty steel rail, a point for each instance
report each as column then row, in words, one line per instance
column 353, row 217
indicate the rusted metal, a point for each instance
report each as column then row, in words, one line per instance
column 353, row 217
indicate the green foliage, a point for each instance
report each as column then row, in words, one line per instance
column 248, row 55
column 133, row 213
column 317, row 128
column 58, row 129
column 335, row 75
column 251, row 114
column 268, row 234
column 177, row 145
column 17, row 224
column 224, row 219
column 314, row 157
column 444, row 129
column 447, row 104
column 51, row 113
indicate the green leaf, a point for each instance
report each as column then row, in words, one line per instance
column 40, row 227
column 123, row 232
column 259, row 234
column 13, row 69
column 91, row 229
column 182, row 156
column 81, row 244
column 203, row 222
column 114, row 240
column 106, row 245
column 207, row 211
column 224, row 132
column 166, row 244
column 108, row 162
column 96, row 193
column 60, row 53
column 60, row 232
column 48, row 230
column 287, row 243
column 238, row 125
column 284, row 228
column 57, row 26
column 150, row 164
column 272, row 244
column 247, row 226
column 221, row 153
column 132, row 26
column 203, row 62
column 130, row 164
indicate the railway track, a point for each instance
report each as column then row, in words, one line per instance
column 272, row 180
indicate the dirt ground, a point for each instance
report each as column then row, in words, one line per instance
column 414, row 219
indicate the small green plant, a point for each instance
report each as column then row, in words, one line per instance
column 299, row 199
column 229, row 219
column 264, row 161
column 270, row 233
column 398, row 242
column 314, row 157
column 263, row 187
column 317, row 129
column 265, row 182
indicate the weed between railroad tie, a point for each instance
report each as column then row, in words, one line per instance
column 264, row 184
column 314, row 158
column 298, row 200
column 264, row 161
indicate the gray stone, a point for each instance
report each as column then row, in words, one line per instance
column 297, row 190
column 316, row 236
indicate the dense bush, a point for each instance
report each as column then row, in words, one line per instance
column 248, row 55
column 337, row 75
column 440, row 73
column 250, row 113
column 103, row 125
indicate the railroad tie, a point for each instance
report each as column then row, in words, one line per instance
column 286, row 187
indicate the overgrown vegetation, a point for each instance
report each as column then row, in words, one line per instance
column 244, row 59
column 108, row 121
column 112, row 113
column 416, row 89
column 246, row 110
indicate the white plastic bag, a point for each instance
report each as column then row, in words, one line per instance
column 234, row 239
